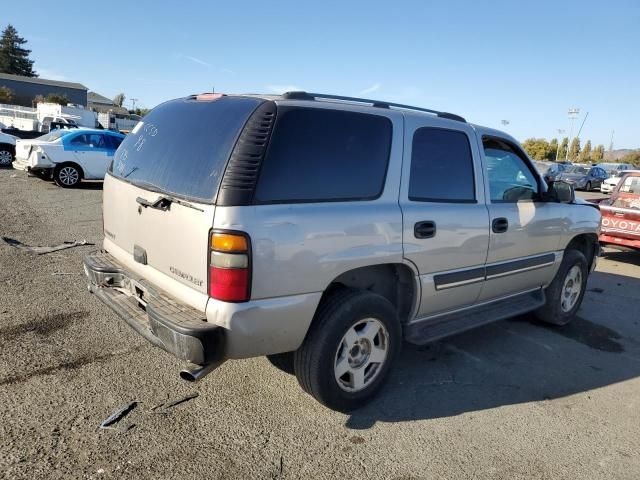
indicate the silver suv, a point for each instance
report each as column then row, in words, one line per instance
column 321, row 231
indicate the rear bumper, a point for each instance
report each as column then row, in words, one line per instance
column 614, row 241
column 176, row 328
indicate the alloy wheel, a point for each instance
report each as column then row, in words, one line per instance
column 68, row 176
column 5, row 157
column 571, row 289
column 361, row 354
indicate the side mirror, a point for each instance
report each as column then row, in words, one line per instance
column 561, row 192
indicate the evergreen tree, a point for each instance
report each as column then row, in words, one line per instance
column 13, row 58
column 585, row 154
column 574, row 149
column 119, row 99
column 598, row 154
column 553, row 149
column 562, row 154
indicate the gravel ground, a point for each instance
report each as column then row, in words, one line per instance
column 511, row 400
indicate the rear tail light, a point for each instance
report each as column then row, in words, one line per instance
column 229, row 266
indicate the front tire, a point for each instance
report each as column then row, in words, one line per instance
column 67, row 175
column 349, row 349
column 588, row 187
column 566, row 291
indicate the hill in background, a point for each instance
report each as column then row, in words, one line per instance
column 618, row 154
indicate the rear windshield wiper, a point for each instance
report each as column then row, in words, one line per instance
column 163, row 203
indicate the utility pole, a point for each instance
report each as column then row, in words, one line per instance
column 573, row 114
column 133, row 103
column 611, row 141
column 505, row 122
column 560, row 132
column 585, row 119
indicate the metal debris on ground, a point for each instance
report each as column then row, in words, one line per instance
column 118, row 415
column 173, row 403
column 42, row 250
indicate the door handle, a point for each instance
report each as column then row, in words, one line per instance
column 426, row 229
column 500, row 225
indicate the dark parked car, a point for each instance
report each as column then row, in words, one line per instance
column 584, row 177
column 552, row 173
column 25, row 134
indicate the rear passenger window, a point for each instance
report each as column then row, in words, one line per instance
column 114, row 142
column 325, row 155
column 80, row 140
column 441, row 167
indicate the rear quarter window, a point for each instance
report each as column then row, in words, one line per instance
column 318, row 155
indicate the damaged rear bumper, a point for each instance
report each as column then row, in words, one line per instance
column 174, row 327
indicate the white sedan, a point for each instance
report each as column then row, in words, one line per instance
column 68, row 156
column 610, row 183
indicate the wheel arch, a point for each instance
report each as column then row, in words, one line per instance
column 586, row 243
column 397, row 282
column 73, row 164
column 10, row 147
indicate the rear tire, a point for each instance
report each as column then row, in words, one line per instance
column 7, row 155
column 67, row 175
column 349, row 350
column 566, row 291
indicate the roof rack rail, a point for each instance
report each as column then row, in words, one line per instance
column 300, row 95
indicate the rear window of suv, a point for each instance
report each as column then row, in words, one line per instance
column 181, row 147
column 318, row 155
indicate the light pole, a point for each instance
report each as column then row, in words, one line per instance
column 560, row 132
column 573, row 114
column 505, row 122
column 133, row 103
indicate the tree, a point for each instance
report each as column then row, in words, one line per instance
column 632, row 157
column 598, row 154
column 37, row 99
column 140, row 111
column 553, row 149
column 574, row 149
column 13, row 58
column 585, row 154
column 537, row 148
column 6, row 95
column 562, row 154
column 57, row 98
column 119, row 99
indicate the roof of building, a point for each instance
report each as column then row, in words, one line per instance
column 93, row 97
column 42, row 81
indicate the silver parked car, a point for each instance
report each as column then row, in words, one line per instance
column 317, row 230
column 584, row 177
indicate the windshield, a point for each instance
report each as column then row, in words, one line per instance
column 53, row 136
column 578, row 170
column 182, row 146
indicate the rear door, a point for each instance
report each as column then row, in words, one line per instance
column 445, row 219
column 525, row 231
column 179, row 152
column 90, row 152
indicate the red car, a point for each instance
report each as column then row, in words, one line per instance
column 621, row 213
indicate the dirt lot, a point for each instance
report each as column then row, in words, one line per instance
column 511, row 400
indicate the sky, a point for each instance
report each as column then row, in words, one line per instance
column 526, row 62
